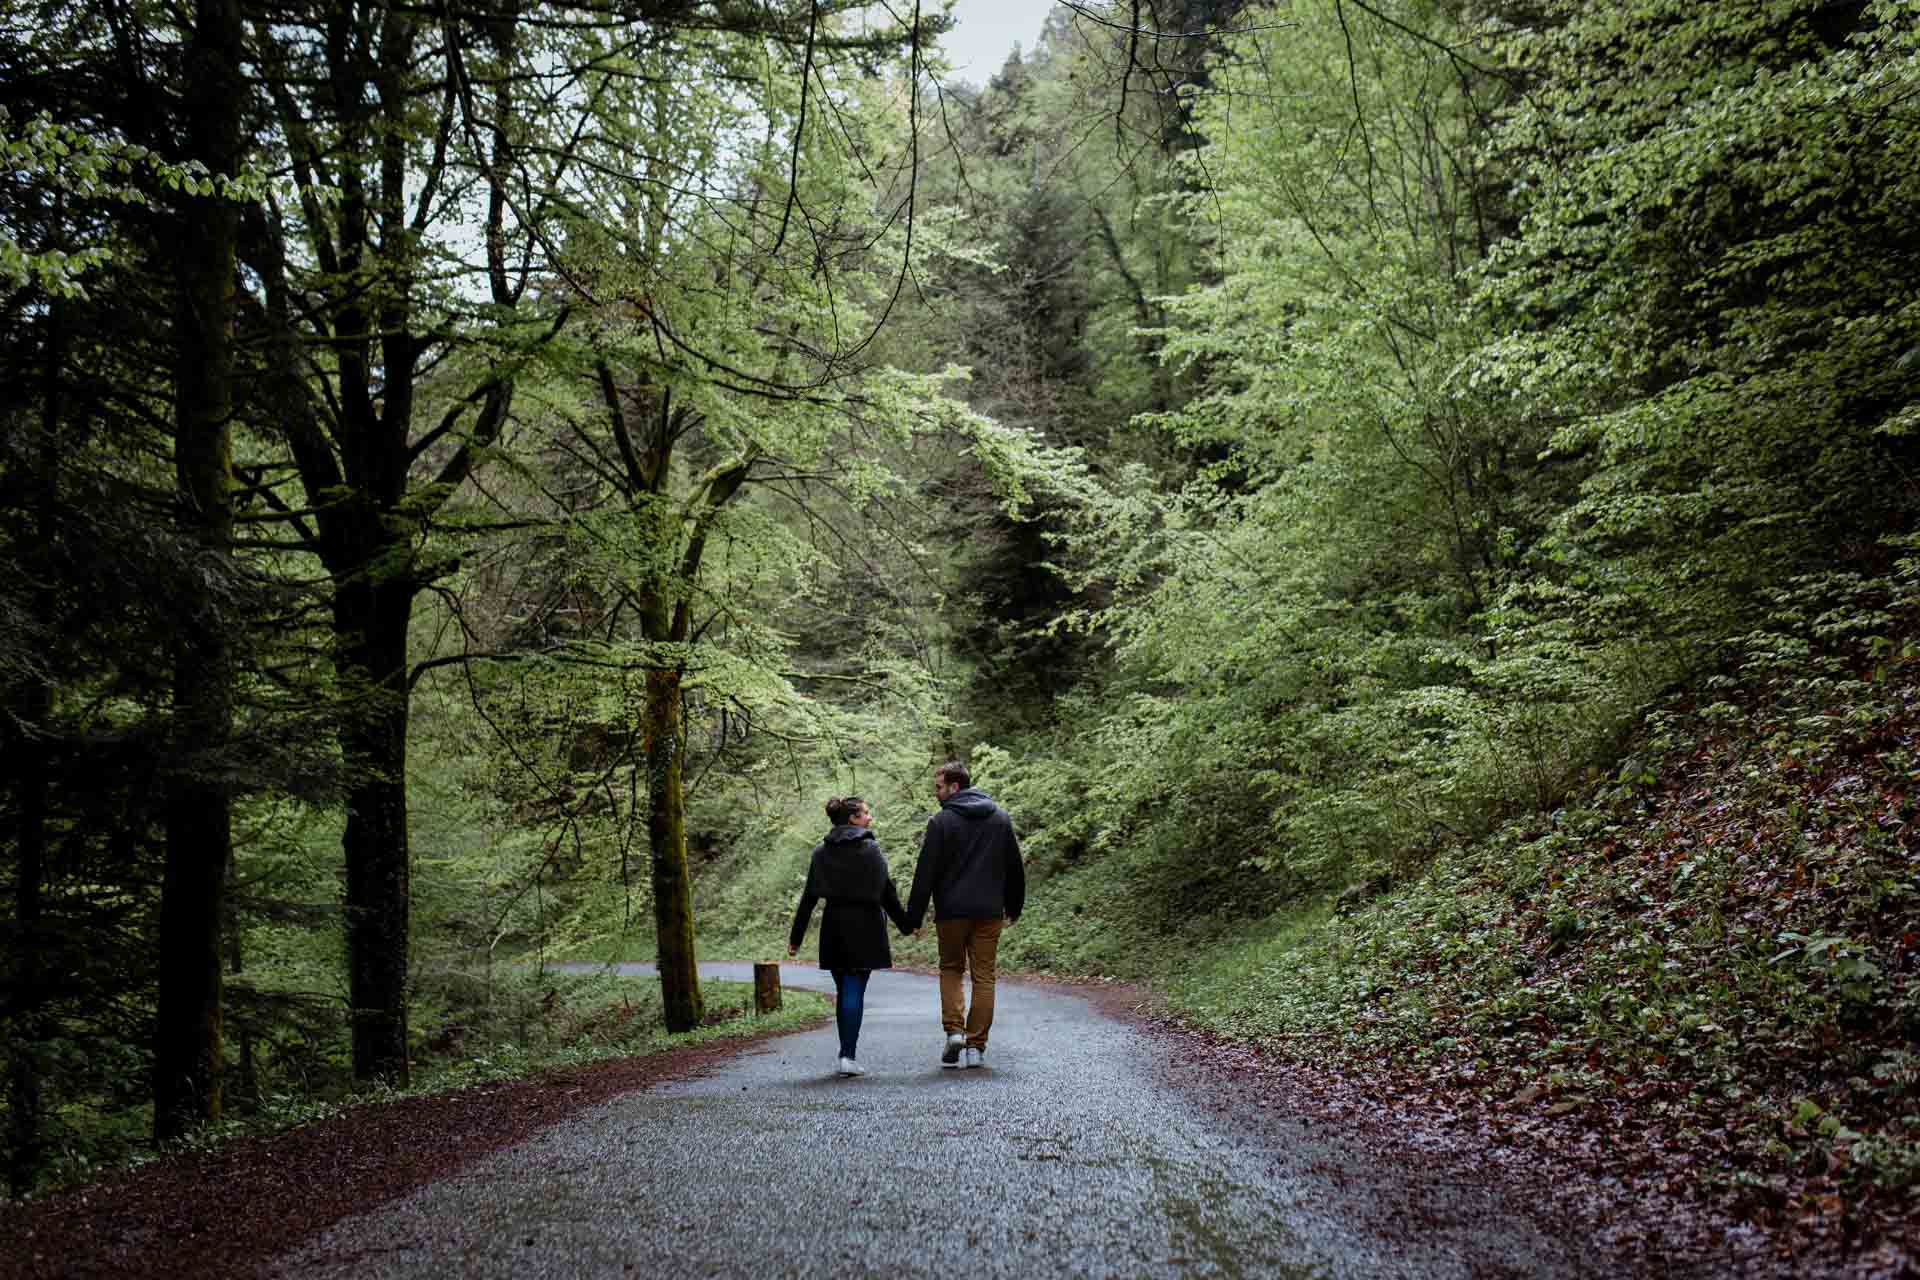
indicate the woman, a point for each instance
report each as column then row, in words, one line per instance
column 848, row 872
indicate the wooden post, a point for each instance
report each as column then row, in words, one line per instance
column 766, row 986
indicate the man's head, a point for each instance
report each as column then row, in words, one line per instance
column 842, row 810
column 949, row 780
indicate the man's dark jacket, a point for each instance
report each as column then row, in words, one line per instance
column 969, row 863
column 848, row 872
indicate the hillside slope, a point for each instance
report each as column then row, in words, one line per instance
column 1703, row 976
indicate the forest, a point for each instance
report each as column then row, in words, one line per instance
column 1410, row 504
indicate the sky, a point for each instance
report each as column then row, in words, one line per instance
column 988, row 30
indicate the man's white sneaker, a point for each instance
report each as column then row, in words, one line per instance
column 973, row 1058
column 848, row 1067
column 950, row 1055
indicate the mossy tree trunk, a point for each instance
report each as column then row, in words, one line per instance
column 673, row 538
column 665, row 739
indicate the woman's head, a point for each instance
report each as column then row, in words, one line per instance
column 842, row 810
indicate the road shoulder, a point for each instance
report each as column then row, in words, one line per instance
column 224, row 1212
column 1405, row 1160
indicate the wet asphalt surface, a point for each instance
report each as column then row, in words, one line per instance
column 1070, row 1153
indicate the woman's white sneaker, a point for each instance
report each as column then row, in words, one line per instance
column 848, row 1067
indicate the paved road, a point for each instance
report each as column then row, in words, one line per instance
column 1068, row 1154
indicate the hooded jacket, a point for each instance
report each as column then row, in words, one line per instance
column 849, row 873
column 969, row 863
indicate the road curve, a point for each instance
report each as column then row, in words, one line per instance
column 1068, row 1154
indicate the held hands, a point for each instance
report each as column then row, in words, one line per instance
column 792, row 952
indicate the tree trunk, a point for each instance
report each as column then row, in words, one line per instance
column 371, row 611
column 188, row 1048
column 353, row 88
column 188, row 1053
column 371, row 619
column 667, row 836
column 23, row 759
column 244, row 1037
column 27, row 773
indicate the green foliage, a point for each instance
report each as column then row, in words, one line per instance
column 1310, row 679
column 1470, row 514
column 1704, row 287
column 1722, row 940
column 90, row 169
column 1055, row 183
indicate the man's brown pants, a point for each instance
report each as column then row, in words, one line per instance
column 968, row 945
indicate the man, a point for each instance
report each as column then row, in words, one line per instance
column 970, row 866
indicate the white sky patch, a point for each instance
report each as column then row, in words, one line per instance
column 987, row 32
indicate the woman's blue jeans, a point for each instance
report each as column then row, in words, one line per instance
column 850, row 1005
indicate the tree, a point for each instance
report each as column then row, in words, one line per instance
column 1716, row 208
column 126, row 361
column 1060, row 171
column 724, row 346
column 189, row 1056
column 354, row 294
column 1299, row 628
column 372, row 291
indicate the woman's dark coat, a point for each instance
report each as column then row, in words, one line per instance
column 848, row 873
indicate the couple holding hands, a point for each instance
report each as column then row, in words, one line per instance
column 969, row 868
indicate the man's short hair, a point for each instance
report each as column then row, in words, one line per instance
column 841, row 809
column 955, row 772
